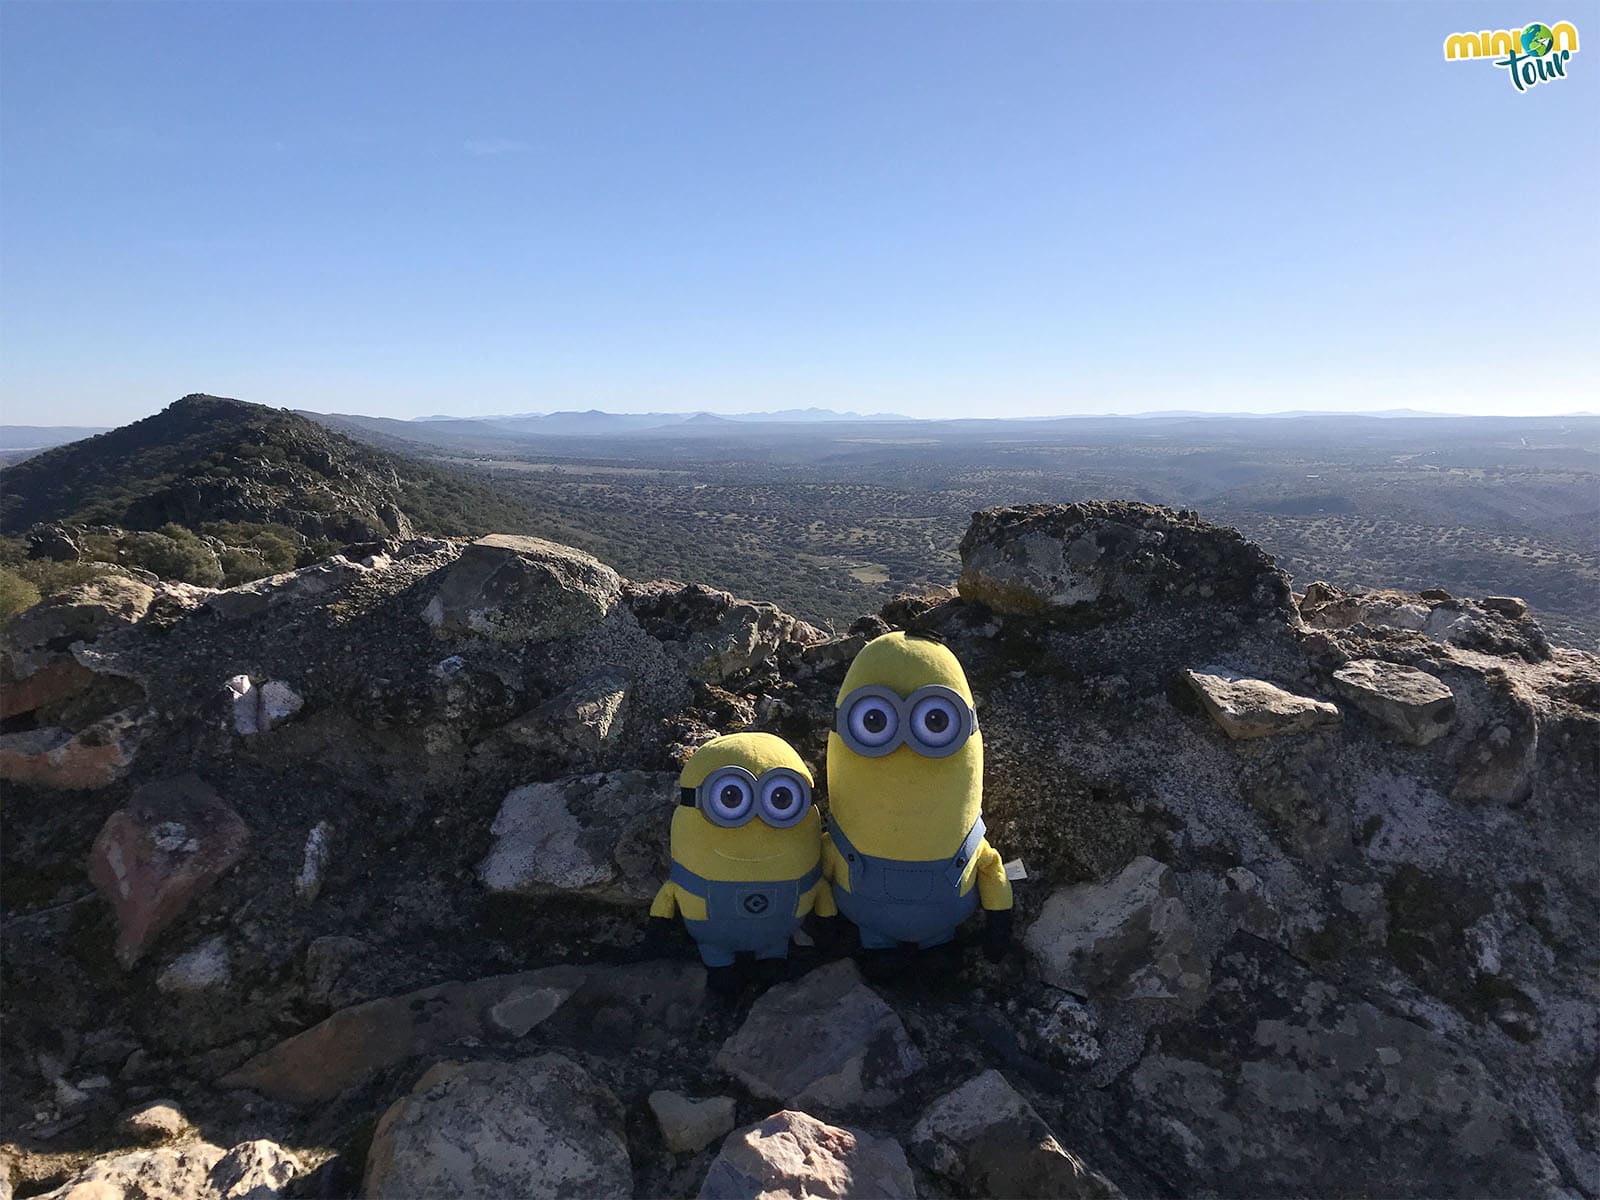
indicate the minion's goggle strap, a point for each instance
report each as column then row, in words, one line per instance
column 935, row 721
column 733, row 796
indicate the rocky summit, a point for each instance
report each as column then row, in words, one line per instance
column 335, row 883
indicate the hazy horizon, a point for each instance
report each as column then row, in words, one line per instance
column 939, row 210
column 7, row 420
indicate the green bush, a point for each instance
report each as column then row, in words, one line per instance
column 241, row 564
column 16, row 594
column 173, row 553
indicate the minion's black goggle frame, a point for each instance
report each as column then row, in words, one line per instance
column 910, row 726
column 757, row 796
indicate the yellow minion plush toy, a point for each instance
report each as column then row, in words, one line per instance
column 746, row 850
column 905, row 850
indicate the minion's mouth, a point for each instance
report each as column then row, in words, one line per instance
column 741, row 858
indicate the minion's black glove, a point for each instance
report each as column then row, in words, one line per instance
column 658, row 933
column 996, row 933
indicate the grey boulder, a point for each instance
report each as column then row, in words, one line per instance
column 538, row 1129
column 1411, row 705
column 791, row 1154
column 827, row 1040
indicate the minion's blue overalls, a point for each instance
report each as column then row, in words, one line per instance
column 893, row 901
column 756, row 917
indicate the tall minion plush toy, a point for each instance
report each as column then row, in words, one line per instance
column 746, row 851
column 906, row 852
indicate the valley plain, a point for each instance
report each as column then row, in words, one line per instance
column 829, row 519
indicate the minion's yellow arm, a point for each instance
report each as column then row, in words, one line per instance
column 672, row 901
column 666, row 901
column 821, row 901
column 994, row 889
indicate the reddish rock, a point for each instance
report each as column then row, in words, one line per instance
column 172, row 842
column 58, row 758
column 54, row 681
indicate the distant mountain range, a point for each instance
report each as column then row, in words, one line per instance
column 644, row 420
column 42, row 437
column 18, row 442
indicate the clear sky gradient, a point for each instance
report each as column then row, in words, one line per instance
column 938, row 209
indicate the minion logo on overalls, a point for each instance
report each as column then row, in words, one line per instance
column 905, row 851
column 746, row 850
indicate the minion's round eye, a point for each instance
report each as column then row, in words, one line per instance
column 935, row 722
column 729, row 799
column 873, row 721
column 783, row 799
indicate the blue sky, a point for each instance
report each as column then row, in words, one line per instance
column 939, row 209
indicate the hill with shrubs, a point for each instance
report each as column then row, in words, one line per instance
column 216, row 492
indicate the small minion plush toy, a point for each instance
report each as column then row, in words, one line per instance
column 906, row 852
column 746, row 850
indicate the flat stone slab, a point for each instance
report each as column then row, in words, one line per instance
column 827, row 1039
column 1410, row 704
column 317, row 1064
column 1253, row 708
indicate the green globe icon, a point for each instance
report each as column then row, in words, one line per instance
column 1537, row 39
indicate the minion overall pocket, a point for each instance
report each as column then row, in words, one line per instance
column 892, row 901
column 755, row 917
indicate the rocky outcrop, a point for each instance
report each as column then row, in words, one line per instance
column 1114, row 557
column 827, row 1040
column 716, row 637
column 522, row 589
column 541, row 1128
column 1493, row 625
column 1332, row 959
column 793, row 1154
column 83, row 725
